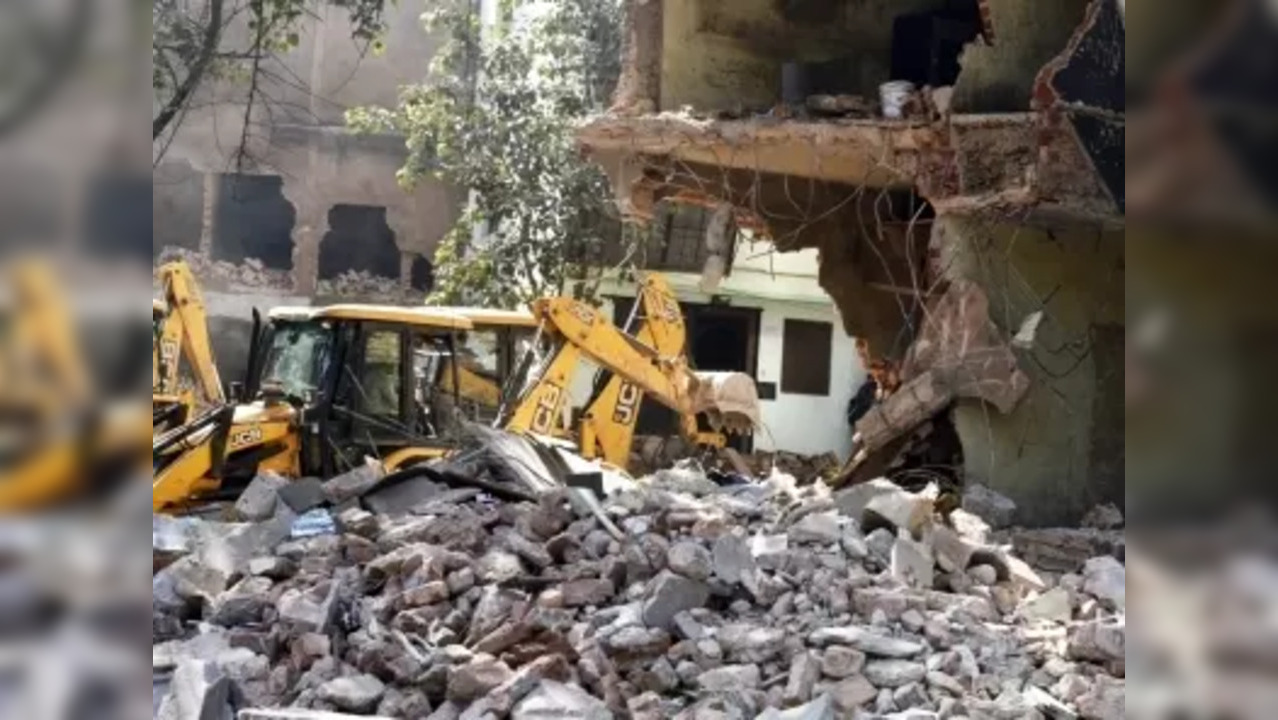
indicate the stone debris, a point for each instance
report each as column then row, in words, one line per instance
column 1106, row 579
column 251, row 275
column 999, row 511
column 1104, row 517
column 770, row 600
column 257, row 502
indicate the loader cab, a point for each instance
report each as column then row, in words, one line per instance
column 490, row 357
column 365, row 380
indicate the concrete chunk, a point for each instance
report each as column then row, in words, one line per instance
column 853, row 693
column 308, row 611
column 866, row 641
column 589, row 591
column 733, row 561
column 353, row 484
column 1051, row 606
column 853, row 501
column 818, row 528
column 730, row 678
column 894, row 673
column 257, row 502
column 690, row 560
column 556, row 701
column 1106, row 579
column 670, row 594
column 912, row 563
column 300, row 714
column 821, row 708
column 994, row 508
column 359, row 694
column 900, row 509
column 197, row 691
column 302, row 495
column 805, row 670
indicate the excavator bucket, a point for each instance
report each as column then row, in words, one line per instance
column 730, row 401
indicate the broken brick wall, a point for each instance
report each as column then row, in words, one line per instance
column 999, row 77
column 1060, row 451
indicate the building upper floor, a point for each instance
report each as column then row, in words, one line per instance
column 1010, row 106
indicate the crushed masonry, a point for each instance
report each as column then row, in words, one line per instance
column 765, row 599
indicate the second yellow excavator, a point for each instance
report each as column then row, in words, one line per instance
column 180, row 327
column 654, row 364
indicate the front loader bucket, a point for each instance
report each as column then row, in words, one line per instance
column 729, row 399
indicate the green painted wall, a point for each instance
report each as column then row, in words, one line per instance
column 1061, row 450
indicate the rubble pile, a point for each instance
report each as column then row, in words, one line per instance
column 655, row 452
column 251, row 275
column 367, row 287
column 688, row 599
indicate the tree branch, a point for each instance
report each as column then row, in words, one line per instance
column 212, row 35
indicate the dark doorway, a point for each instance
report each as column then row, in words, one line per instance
column 422, row 274
column 358, row 239
column 720, row 337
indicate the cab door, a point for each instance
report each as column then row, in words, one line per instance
column 370, row 403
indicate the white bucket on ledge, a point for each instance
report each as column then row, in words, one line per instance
column 894, row 95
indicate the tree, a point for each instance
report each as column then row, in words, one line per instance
column 496, row 117
column 191, row 45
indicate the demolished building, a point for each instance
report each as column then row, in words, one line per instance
column 975, row 244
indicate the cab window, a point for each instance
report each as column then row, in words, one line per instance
column 480, row 352
column 297, row 357
column 380, row 382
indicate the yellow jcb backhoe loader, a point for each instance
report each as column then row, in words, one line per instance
column 320, row 404
column 325, row 387
column 181, row 333
column 59, row 440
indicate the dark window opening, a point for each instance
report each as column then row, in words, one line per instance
column 926, row 46
column 805, row 357
column 358, row 240
column 675, row 241
column 253, row 220
column 422, row 275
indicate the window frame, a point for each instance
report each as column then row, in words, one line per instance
column 801, row 338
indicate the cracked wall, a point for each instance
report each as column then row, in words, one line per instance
column 1061, row 450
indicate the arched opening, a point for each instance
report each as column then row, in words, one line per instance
column 358, row 240
column 254, row 220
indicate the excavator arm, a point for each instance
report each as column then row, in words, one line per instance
column 579, row 331
column 609, row 421
column 185, row 334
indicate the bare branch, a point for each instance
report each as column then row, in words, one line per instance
column 208, row 49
